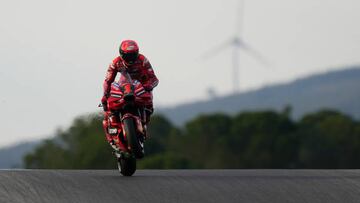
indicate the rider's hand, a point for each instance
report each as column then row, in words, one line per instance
column 105, row 108
column 104, row 102
column 148, row 88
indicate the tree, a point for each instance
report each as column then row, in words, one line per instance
column 329, row 139
column 263, row 140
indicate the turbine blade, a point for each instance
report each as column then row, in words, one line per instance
column 216, row 49
column 254, row 53
column 240, row 18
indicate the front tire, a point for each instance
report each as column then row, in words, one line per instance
column 132, row 139
column 127, row 166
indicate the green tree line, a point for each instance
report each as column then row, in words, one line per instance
column 262, row 139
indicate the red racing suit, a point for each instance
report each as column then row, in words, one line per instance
column 140, row 70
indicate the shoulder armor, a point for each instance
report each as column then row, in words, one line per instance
column 117, row 60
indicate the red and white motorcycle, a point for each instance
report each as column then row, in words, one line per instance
column 125, row 123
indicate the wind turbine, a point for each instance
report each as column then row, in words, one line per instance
column 237, row 43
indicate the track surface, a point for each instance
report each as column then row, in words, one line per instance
column 180, row 186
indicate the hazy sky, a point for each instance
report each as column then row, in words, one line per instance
column 53, row 54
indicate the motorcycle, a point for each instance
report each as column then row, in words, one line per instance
column 126, row 129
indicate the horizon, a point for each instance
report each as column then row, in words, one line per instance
column 270, row 85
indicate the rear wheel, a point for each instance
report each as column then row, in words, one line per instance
column 127, row 166
column 132, row 138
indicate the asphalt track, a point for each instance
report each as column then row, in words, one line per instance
column 180, row 186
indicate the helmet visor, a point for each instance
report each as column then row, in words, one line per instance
column 129, row 57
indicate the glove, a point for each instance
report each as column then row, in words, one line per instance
column 148, row 88
column 104, row 102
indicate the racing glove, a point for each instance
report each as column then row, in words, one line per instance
column 104, row 102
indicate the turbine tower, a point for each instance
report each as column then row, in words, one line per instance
column 237, row 44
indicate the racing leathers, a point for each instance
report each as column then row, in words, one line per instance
column 141, row 70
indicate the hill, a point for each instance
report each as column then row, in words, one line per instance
column 336, row 90
column 11, row 156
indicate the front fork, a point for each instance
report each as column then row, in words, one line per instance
column 140, row 127
column 115, row 133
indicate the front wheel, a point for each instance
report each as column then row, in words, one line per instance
column 127, row 166
column 132, row 138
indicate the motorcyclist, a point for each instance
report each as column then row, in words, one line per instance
column 138, row 67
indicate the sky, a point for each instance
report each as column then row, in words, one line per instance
column 54, row 54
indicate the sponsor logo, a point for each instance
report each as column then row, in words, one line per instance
column 130, row 48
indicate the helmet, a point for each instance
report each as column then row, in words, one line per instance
column 129, row 51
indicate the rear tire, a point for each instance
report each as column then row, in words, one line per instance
column 132, row 139
column 127, row 166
